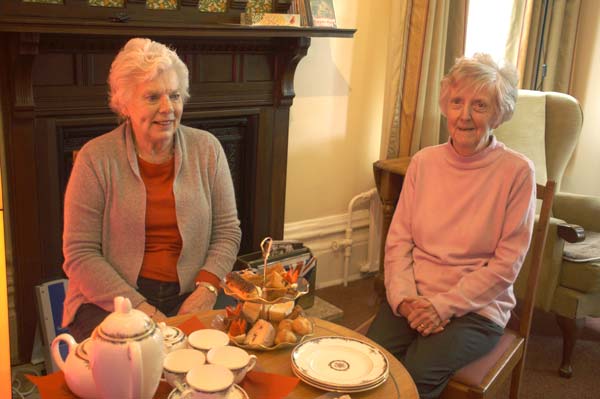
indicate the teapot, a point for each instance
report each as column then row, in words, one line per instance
column 126, row 354
column 122, row 359
column 76, row 367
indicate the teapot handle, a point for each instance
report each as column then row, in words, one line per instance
column 136, row 367
column 55, row 348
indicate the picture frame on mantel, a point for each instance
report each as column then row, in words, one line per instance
column 321, row 13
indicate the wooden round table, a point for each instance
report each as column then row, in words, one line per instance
column 398, row 385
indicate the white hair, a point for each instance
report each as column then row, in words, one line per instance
column 482, row 71
column 142, row 60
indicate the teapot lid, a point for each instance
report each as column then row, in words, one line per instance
column 125, row 322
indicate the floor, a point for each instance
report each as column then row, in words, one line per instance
column 358, row 301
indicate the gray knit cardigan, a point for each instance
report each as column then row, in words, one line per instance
column 105, row 208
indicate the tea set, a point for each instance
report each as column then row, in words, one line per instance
column 128, row 355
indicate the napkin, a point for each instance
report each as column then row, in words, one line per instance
column 190, row 325
column 54, row 386
column 262, row 385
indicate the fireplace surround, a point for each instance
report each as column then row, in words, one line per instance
column 54, row 98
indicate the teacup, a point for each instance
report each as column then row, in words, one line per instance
column 235, row 359
column 206, row 339
column 173, row 337
column 178, row 362
column 209, row 381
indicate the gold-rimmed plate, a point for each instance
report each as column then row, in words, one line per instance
column 340, row 362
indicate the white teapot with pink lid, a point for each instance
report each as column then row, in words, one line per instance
column 126, row 354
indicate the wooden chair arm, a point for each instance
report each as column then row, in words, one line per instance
column 571, row 232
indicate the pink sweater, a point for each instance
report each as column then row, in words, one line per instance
column 461, row 231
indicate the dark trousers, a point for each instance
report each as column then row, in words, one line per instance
column 432, row 360
column 162, row 295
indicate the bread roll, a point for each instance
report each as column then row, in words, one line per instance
column 261, row 333
column 301, row 325
column 285, row 335
column 285, row 324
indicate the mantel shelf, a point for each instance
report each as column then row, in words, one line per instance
column 139, row 28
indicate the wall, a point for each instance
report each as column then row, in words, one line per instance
column 581, row 175
column 335, row 132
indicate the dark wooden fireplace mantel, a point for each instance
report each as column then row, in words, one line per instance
column 53, row 90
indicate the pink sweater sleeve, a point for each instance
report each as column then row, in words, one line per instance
column 480, row 288
column 398, row 263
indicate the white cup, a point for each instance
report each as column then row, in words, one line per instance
column 209, row 381
column 178, row 362
column 235, row 359
column 206, row 339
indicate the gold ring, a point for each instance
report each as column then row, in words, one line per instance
column 421, row 325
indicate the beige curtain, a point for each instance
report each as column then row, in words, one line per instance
column 557, row 42
column 426, row 36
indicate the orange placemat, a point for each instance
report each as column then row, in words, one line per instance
column 260, row 385
column 54, row 386
column 190, row 325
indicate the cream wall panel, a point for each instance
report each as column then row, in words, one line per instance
column 335, row 121
column 581, row 175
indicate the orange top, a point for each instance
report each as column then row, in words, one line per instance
column 163, row 241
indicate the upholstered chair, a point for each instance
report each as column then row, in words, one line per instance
column 546, row 128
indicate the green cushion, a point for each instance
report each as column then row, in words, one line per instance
column 526, row 131
column 575, row 304
column 584, row 277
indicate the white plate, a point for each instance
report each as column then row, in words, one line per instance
column 336, row 385
column 340, row 362
column 236, row 393
column 337, row 388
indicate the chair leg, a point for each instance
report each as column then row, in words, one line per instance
column 570, row 329
column 515, row 381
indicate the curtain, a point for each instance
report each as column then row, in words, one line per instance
column 542, row 43
column 426, row 36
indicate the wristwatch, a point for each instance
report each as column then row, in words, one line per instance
column 208, row 286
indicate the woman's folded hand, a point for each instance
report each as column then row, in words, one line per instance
column 199, row 300
column 423, row 317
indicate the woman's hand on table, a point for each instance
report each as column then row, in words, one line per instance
column 151, row 311
column 199, row 300
column 422, row 316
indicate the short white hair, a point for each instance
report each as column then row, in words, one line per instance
column 482, row 71
column 142, row 60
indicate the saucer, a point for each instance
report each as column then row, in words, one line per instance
column 236, row 393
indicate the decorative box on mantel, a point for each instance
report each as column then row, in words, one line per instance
column 55, row 61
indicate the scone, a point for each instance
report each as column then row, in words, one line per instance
column 301, row 325
column 285, row 335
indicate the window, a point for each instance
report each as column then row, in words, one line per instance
column 488, row 26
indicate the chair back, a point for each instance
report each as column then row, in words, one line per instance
column 545, row 127
column 536, row 253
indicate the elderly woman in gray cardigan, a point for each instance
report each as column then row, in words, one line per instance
column 150, row 210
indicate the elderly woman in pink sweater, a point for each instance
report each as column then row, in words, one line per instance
column 460, row 233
